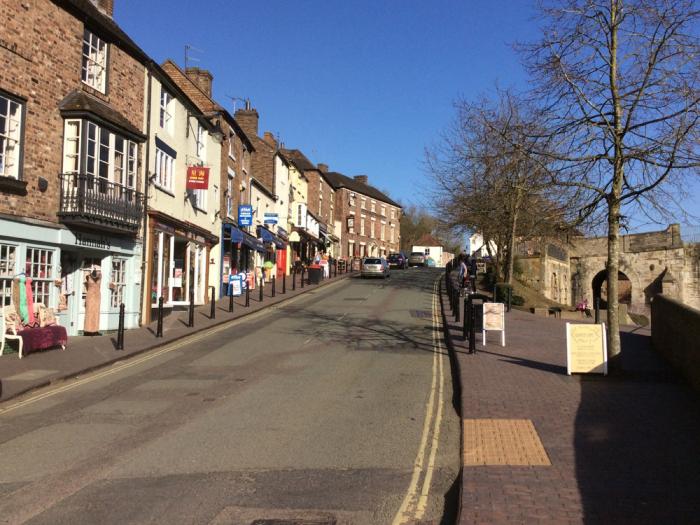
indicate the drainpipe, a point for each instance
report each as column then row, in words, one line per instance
column 145, row 287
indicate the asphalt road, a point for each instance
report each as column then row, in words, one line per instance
column 333, row 408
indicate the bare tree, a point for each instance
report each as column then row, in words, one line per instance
column 617, row 81
column 488, row 180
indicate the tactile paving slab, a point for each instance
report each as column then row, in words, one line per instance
column 511, row 442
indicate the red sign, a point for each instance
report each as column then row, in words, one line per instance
column 197, row 178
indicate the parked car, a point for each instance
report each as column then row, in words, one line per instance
column 416, row 259
column 375, row 267
column 397, row 260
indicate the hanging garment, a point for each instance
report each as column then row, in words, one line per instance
column 92, row 302
column 15, row 294
column 31, row 321
column 23, row 313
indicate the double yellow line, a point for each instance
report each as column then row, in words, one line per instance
column 416, row 501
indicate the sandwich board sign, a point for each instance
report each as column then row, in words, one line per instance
column 494, row 321
column 586, row 349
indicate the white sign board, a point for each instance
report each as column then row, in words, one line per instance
column 586, row 349
column 493, row 319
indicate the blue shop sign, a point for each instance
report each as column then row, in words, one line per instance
column 270, row 218
column 245, row 215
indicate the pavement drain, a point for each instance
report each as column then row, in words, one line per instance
column 355, row 299
column 330, row 521
column 511, row 442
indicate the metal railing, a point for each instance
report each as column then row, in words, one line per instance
column 89, row 199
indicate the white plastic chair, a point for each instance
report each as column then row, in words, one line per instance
column 8, row 332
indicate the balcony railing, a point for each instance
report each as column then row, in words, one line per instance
column 95, row 202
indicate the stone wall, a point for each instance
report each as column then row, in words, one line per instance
column 675, row 334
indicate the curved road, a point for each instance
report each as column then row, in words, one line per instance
column 334, row 407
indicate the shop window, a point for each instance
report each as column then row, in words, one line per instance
column 39, row 266
column 10, row 137
column 8, row 269
column 117, row 281
column 87, row 266
column 94, row 67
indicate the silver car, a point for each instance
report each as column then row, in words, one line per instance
column 416, row 259
column 375, row 267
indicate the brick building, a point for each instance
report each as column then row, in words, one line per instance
column 369, row 219
column 71, row 157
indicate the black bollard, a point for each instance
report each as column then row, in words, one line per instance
column 335, row 269
column 294, row 279
column 302, row 276
column 466, row 317
column 596, row 305
column 247, row 295
column 120, row 329
column 457, row 309
column 230, row 302
column 510, row 297
column 274, row 285
column 284, row 282
column 159, row 326
column 212, row 313
column 472, row 331
column 190, row 321
column 261, row 290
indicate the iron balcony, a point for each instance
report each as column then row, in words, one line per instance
column 97, row 203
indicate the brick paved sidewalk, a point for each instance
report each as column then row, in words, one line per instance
column 84, row 353
column 541, row 446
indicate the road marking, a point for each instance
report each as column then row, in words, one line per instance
column 117, row 367
column 413, row 507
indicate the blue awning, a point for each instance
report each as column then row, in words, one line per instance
column 245, row 238
column 236, row 235
column 269, row 237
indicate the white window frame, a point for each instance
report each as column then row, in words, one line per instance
column 373, row 206
column 118, row 281
column 11, row 137
column 232, row 145
column 79, row 148
column 9, row 260
column 94, row 61
column 362, row 225
column 200, row 199
column 363, row 203
column 373, row 228
column 166, row 117
column 201, row 141
column 165, row 170
column 229, row 192
column 41, row 284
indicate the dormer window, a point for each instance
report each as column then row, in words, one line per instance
column 94, row 67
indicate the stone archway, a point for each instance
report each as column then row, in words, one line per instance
column 600, row 288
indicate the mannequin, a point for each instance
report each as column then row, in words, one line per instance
column 92, row 301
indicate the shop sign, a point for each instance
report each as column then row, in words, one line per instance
column 197, row 178
column 92, row 242
column 245, row 215
column 586, row 349
column 271, row 217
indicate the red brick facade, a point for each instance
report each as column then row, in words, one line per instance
column 40, row 63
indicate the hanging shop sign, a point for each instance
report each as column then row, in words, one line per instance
column 586, row 349
column 245, row 215
column 271, row 217
column 197, row 178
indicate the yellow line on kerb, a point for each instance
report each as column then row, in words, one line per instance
column 152, row 355
column 413, row 506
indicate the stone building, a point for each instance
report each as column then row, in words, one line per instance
column 71, row 157
column 370, row 220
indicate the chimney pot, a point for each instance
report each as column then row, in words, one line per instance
column 201, row 77
column 323, row 167
column 105, row 6
column 361, row 178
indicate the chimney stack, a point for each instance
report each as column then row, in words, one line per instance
column 361, row 178
column 104, row 6
column 269, row 138
column 248, row 120
column 201, row 77
column 323, row 167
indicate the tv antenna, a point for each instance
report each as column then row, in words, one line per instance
column 188, row 51
column 234, row 100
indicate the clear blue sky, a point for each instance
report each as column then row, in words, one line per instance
column 361, row 85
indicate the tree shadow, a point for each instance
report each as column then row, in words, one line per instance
column 529, row 363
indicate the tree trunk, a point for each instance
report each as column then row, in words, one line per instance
column 613, row 267
column 508, row 277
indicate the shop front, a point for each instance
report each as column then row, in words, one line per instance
column 177, row 262
column 83, row 275
column 238, row 253
column 274, row 248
